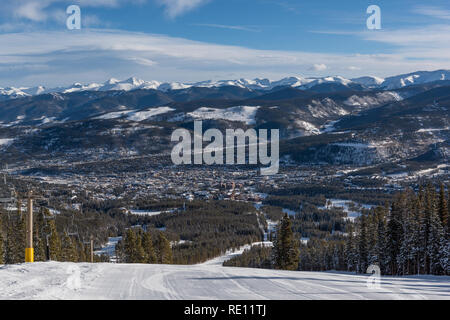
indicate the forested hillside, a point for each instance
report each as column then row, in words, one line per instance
column 409, row 236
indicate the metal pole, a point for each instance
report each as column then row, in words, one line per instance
column 29, row 251
column 92, row 250
column 47, row 248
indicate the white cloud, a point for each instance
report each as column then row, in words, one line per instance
column 230, row 27
column 175, row 8
column 39, row 11
column 64, row 57
column 32, row 10
column 319, row 67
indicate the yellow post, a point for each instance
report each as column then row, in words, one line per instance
column 29, row 251
column 29, row 255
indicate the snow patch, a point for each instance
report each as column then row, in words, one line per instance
column 136, row 115
column 245, row 114
column 6, row 142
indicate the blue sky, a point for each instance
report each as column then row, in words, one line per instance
column 192, row 40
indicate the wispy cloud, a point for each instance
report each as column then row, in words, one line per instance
column 143, row 61
column 411, row 39
column 222, row 26
column 434, row 12
column 420, row 38
column 31, row 10
column 176, row 8
column 288, row 6
column 42, row 11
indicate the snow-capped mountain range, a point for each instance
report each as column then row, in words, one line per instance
column 390, row 83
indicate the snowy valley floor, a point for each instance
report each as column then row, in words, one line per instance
column 53, row 280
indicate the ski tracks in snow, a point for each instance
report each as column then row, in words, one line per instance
column 50, row 280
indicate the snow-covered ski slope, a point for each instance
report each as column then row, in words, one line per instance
column 53, row 280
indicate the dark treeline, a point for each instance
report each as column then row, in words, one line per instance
column 258, row 257
column 310, row 220
column 211, row 229
column 410, row 236
column 62, row 246
column 206, row 229
column 283, row 256
column 316, row 194
column 138, row 246
column 295, row 202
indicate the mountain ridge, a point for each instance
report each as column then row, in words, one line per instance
column 133, row 83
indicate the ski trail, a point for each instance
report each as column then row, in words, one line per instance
column 49, row 280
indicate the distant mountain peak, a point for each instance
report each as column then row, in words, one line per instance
column 369, row 81
column 133, row 83
column 418, row 77
column 112, row 81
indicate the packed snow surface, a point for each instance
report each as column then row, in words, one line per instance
column 55, row 280
column 234, row 253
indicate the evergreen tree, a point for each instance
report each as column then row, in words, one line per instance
column 68, row 249
column 120, row 251
column 372, row 235
column 87, row 252
column 147, row 244
column 81, row 251
column 443, row 207
column 39, row 240
column 428, row 215
column 350, row 251
column 436, row 238
column 2, row 260
column 445, row 256
column 54, row 242
column 286, row 253
column 129, row 246
column 164, row 250
column 20, row 238
column 133, row 250
column 362, row 245
column 448, row 215
column 140, row 254
column 9, row 249
column 406, row 257
column 380, row 247
column 395, row 233
column 15, row 239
